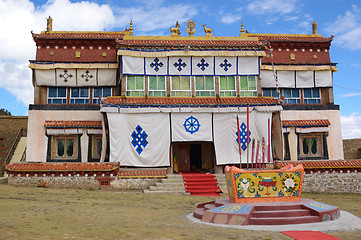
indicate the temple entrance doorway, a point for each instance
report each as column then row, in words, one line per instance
column 193, row 157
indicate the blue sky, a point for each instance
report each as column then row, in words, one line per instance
column 341, row 18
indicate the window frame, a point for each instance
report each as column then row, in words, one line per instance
column 320, row 145
column 312, row 98
column 95, row 99
column 163, row 92
column 175, row 92
column 244, row 93
column 198, row 92
column 288, row 100
column 233, row 92
column 135, row 92
column 54, row 156
column 50, row 100
column 273, row 92
column 85, row 100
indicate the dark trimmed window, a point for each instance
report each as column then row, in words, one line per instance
column 57, row 95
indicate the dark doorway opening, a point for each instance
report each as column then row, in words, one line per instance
column 193, row 156
column 196, row 157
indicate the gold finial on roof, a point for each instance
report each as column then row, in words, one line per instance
column 208, row 31
column 49, row 24
column 191, row 28
column 314, row 28
column 242, row 29
column 131, row 28
column 174, row 31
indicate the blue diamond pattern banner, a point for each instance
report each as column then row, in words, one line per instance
column 139, row 141
column 243, row 136
column 190, row 66
column 180, row 66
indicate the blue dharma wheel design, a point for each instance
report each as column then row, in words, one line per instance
column 191, row 125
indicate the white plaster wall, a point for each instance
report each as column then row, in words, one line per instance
column 37, row 142
column 334, row 138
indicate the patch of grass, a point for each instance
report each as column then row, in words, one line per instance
column 29, row 213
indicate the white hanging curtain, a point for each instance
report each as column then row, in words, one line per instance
column 286, row 79
column 226, row 138
column 323, row 78
column 139, row 140
column 267, row 79
column 86, row 77
column 66, row 77
column 225, row 66
column 191, row 127
column 45, row 77
column 156, row 66
column 202, row 66
column 132, row 65
column 180, row 66
column 107, row 77
column 304, row 79
column 248, row 66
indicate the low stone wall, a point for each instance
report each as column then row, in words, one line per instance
column 315, row 182
column 352, row 148
column 133, row 183
column 57, row 182
column 332, row 182
column 82, row 182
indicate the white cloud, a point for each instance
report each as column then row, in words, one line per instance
column 282, row 7
column 161, row 17
column 228, row 19
column 347, row 29
column 16, row 78
column 351, row 126
column 350, row 94
column 19, row 17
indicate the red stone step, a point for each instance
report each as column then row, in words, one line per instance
column 207, row 187
column 194, row 175
column 278, row 207
column 201, row 184
column 199, row 180
column 197, row 184
column 283, row 220
column 209, row 207
column 281, row 213
column 198, row 213
column 204, row 194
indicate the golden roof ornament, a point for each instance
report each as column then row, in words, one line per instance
column 208, row 31
column 191, row 28
column 174, row 31
column 131, row 28
column 49, row 24
column 242, row 29
column 314, row 28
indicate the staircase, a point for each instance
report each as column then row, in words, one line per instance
column 222, row 184
column 19, row 151
column 201, row 184
column 262, row 213
column 281, row 215
column 172, row 184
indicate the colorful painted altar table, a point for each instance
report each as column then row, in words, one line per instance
column 284, row 184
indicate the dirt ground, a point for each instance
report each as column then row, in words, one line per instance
column 45, row 213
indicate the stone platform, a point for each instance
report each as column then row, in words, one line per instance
column 224, row 211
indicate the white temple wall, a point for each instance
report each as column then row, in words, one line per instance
column 37, row 141
column 334, row 138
